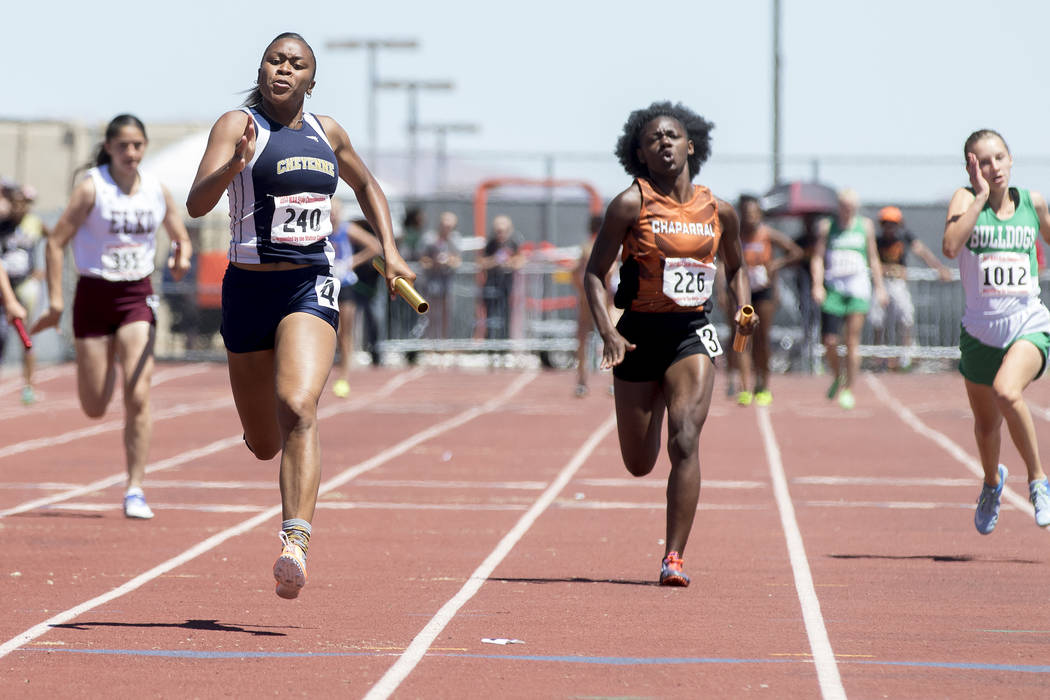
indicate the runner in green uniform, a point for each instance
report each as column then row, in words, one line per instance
column 844, row 265
column 992, row 229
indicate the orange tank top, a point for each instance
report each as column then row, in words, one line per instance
column 758, row 250
column 675, row 244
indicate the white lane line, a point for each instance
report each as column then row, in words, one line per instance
column 892, row 505
column 433, row 484
column 184, row 457
column 182, row 409
column 878, row 481
column 167, row 374
column 39, row 376
column 408, row 660
column 823, row 657
column 402, row 505
column 949, row 445
column 1039, row 411
column 251, row 523
column 657, row 484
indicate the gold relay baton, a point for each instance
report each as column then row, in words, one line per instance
column 404, row 288
column 741, row 342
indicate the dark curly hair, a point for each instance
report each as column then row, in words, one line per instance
column 697, row 128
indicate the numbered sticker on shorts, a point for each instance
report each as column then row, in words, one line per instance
column 688, row 282
column 709, row 337
column 327, row 289
column 1005, row 274
column 301, row 219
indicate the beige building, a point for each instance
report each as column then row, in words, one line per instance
column 45, row 153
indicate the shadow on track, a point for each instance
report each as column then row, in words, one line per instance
column 576, row 579
column 204, row 625
column 942, row 558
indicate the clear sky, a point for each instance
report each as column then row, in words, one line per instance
column 894, row 79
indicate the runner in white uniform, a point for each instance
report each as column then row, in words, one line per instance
column 112, row 220
column 992, row 229
column 280, row 167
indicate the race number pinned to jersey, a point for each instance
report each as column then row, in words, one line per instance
column 709, row 337
column 1005, row 274
column 301, row 219
column 688, row 282
column 125, row 261
column 327, row 289
column 845, row 262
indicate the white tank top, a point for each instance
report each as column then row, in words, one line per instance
column 118, row 240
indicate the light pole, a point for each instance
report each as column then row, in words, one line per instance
column 371, row 47
column 413, row 87
column 442, row 130
column 776, row 92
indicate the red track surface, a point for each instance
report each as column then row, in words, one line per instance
column 456, row 535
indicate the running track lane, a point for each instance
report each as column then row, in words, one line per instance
column 840, row 469
column 221, row 538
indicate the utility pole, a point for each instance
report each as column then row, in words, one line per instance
column 442, row 130
column 776, row 92
column 413, row 87
column 372, row 47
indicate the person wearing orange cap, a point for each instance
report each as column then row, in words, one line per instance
column 893, row 243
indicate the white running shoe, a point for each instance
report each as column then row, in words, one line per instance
column 135, row 505
column 1037, row 494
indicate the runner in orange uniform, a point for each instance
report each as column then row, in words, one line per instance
column 662, row 348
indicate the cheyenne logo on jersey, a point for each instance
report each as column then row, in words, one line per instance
column 998, row 236
column 684, row 227
column 304, row 163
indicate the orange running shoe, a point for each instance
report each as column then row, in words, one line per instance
column 671, row 573
column 290, row 568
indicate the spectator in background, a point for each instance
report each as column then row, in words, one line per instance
column 440, row 258
column 21, row 235
column 355, row 246
column 412, row 233
column 893, row 243
column 758, row 242
column 845, row 263
column 501, row 258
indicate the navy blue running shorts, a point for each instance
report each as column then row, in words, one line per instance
column 660, row 340
column 255, row 302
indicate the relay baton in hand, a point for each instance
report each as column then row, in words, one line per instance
column 404, row 288
column 21, row 328
column 740, row 342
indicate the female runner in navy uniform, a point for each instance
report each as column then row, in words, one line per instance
column 662, row 348
column 112, row 220
column 280, row 167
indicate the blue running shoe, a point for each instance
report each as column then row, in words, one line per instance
column 671, row 573
column 1037, row 494
column 987, row 514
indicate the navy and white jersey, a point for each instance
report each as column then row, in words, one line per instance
column 280, row 204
